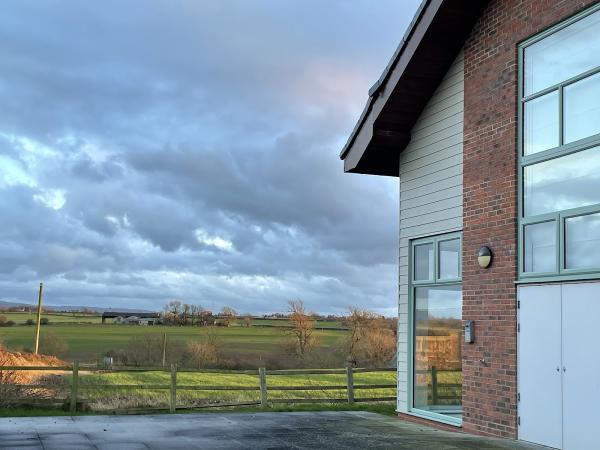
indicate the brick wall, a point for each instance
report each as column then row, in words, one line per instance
column 490, row 206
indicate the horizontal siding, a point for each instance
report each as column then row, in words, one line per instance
column 431, row 200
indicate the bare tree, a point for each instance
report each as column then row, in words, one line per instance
column 172, row 312
column 302, row 328
column 358, row 322
column 195, row 311
column 371, row 338
column 247, row 320
column 228, row 315
column 185, row 312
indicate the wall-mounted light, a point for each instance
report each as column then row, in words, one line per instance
column 484, row 257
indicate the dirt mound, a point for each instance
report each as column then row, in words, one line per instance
column 8, row 358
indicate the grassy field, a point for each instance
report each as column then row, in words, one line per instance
column 114, row 399
column 21, row 317
column 88, row 342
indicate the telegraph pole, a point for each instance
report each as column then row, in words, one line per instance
column 39, row 318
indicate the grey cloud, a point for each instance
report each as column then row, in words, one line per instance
column 195, row 147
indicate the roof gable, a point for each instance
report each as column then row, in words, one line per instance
column 429, row 47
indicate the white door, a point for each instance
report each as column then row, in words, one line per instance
column 539, row 366
column 581, row 361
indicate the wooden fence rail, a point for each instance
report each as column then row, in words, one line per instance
column 75, row 387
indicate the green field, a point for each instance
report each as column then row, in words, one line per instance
column 90, row 341
column 121, row 398
column 20, row 317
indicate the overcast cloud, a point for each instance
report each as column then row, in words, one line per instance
column 189, row 150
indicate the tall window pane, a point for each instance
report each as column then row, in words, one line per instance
column 582, row 109
column 437, row 353
column 423, row 262
column 563, row 55
column 449, row 259
column 540, row 247
column 563, row 183
column 541, row 123
column 582, row 242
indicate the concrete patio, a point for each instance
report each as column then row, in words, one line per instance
column 269, row 430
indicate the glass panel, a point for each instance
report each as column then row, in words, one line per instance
column 540, row 247
column 582, row 109
column 563, row 55
column 423, row 262
column 449, row 259
column 437, row 353
column 582, row 242
column 541, row 123
column 562, row 183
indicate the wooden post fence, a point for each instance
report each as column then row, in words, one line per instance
column 262, row 376
column 434, row 386
column 350, row 383
column 173, row 389
column 74, row 386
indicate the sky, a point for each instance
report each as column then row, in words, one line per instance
column 189, row 150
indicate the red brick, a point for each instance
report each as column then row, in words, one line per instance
column 490, row 206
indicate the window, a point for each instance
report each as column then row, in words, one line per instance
column 436, row 293
column 559, row 150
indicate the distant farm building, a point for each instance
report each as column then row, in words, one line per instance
column 132, row 318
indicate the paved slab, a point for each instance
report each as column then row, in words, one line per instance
column 269, row 430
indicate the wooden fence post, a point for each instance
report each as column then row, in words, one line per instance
column 173, row 398
column 350, row 381
column 262, row 376
column 434, row 386
column 164, row 349
column 74, row 386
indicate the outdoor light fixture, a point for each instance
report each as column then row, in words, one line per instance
column 484, row 257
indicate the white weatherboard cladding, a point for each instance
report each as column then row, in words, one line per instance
column 431, row 179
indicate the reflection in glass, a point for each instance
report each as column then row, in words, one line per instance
column 449, row 259
column 582, row 109
column 562, row 183
column 540, row 247
column 540, row 130
column 424, row 262
column 582, row 246
column 563, row 55
column 437, row 353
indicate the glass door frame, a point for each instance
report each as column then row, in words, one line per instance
column 412, row 285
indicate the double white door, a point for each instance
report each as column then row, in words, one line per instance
column 559, row 365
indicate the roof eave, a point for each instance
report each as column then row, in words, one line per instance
column 398, row 97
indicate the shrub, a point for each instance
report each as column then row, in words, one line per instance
column 145, row 350
column 204, row 352
column 10, row 323
column 44, row 321
column 29, row 322
column 3, row 321
column 52, row 344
